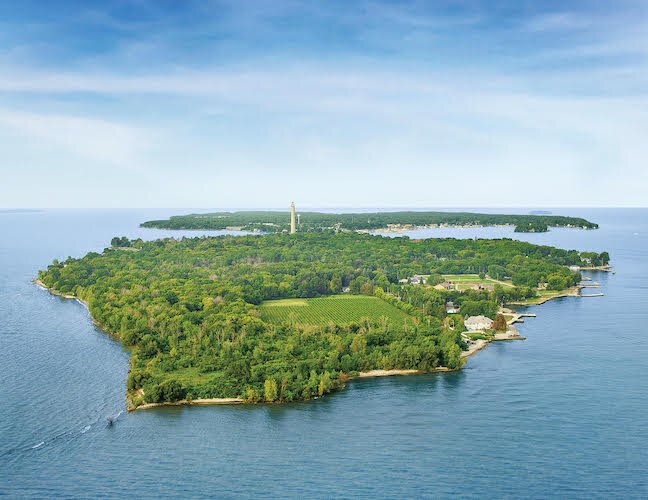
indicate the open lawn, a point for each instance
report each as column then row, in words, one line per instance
column 337, row 309
column 459, row 278
column 465, row 281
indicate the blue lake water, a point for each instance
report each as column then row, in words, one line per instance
column 562, row 414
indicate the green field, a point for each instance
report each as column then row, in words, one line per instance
column 457, row 278
column 465, row 281
column 338, row 309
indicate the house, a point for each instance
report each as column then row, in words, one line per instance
column 417, row 279
column 476, row 323
column 451, row 308
column 446, row 285
column 403, row 281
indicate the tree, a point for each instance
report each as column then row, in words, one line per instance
column 499, row 325
column 325, row 384
column 120, row 242
column 453, row 357
column 381, row 281
column 557, row 282
column 270, row 390
column 359, row 343
column 169, row 390
column 604, row 259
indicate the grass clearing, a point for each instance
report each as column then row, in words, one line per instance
column 456, row 278
column 340, row 309
column 464, row 282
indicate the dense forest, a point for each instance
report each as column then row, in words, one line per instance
column 189, row 311
column 272, row 222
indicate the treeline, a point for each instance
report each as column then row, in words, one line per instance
column 532, row 226
column 187, row 308
column 272, row 222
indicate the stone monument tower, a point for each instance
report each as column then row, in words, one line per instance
column 292, row 218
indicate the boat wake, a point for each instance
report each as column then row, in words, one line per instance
column 66, row 435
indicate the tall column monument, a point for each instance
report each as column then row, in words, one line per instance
column 292, row 218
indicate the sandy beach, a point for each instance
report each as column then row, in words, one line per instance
column 474, row 347
column 387, row 373
column 42, row 285
column 194, row 402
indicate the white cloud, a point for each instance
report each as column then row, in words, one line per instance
column 347, row 130
column 558, row 21
column 90, row 138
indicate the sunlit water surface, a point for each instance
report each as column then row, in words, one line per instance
column 563, row 413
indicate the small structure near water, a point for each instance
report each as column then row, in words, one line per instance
column 477, row 323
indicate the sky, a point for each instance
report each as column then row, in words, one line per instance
column 216, row 104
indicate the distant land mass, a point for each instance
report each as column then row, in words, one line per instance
column 276, row 221
column 20, row 210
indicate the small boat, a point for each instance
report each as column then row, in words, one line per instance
column 110, row 420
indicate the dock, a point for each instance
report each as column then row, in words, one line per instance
column 516, row 317
column 594, row 295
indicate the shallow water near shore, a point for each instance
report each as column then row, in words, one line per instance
column 562, row 413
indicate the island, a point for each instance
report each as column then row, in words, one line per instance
column 285, row 317
column 272, row 222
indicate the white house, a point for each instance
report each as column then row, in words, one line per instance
column 475, row 323
column 418, row 279
column 451, row 308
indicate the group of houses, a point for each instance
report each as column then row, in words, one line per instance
column 473, row 323
column 415, row 279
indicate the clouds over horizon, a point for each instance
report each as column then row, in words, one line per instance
column 378, row 104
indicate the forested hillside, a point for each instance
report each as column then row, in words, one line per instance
column 189, row 311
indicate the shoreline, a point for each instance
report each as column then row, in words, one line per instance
column 475, row 348
column 398, row 372
column 478, row 345
column 605, row 268
column 187, row 402
column 67, row 296
column 569, row 292
column 390, row 230
column 239, row 401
